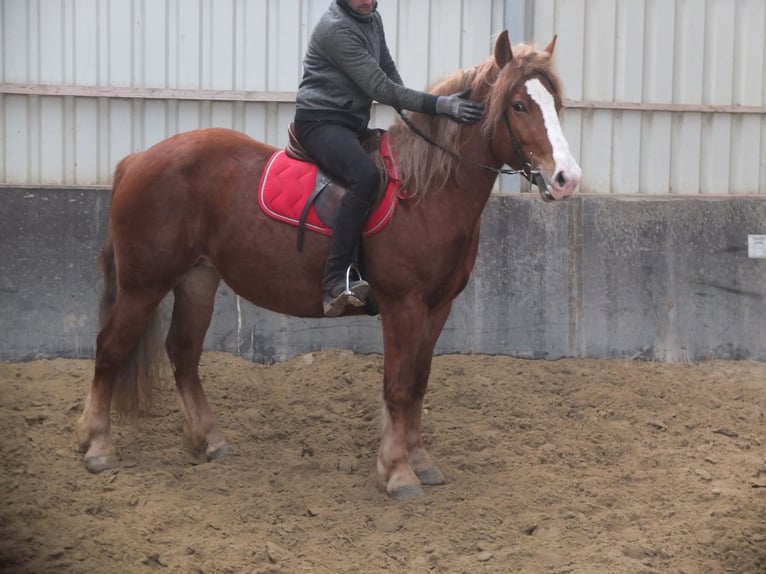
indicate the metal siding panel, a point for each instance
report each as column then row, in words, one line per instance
column 570, row 47
column 33, row 138
column 51, row 44
column 444, row 40
column 155, row 123
column 656, row 153
column 745, row 152
column 685, row 166
column 659, row 41
column 689, row 52
column 572, row 125
column 67, row 142
column 86, row 141
column 17, row 139
column 85, row 42
column 390, row 14
column 189, row 116
column 172, row 43
column 188, row 47
column 50, row 149
column 17, row 31
column 719, row 55
column 249, row 32
column 629, row 52
column 220, row 46
column 762, row 162
column 749, row 61
column 120, row 34
column 67, row 48
column 285, row 60
column 544, row 23
column 598, row 151
column 714, row 155
column 685, row 52
column 32, row 43
column 255, row 120
column 154, row 39
column 284, row 116
column 626, row 157
column 121, row 117
column 221, row 115
column 382, row 117
column 414, row 70
column 3, row 135
column 599, row 50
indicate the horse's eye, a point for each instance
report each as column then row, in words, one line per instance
column 519, row 107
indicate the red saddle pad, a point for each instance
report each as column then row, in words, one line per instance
column 286, row 184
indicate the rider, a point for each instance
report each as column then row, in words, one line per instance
column 347, row 65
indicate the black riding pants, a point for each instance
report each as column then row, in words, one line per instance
column 337, row 150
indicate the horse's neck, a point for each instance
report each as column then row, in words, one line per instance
column 463, row 198
column 468, row 189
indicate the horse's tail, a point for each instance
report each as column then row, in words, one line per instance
column 139, row 374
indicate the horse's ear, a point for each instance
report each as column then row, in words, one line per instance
column 552, row 46
column 503, row 52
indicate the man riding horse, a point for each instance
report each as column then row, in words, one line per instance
column 347, row 66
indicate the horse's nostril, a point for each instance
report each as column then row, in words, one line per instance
column 560, row 179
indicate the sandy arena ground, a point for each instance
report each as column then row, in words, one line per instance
column 572, row 466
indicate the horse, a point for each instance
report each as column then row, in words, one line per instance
column 183, row 218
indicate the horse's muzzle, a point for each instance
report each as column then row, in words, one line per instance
column 563, row 185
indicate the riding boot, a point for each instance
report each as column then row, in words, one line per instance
column 342, row 285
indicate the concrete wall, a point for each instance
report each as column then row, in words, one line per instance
column 598, row 276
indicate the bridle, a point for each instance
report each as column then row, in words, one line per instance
column 530, row 171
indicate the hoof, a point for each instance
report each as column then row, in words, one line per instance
column 430, row 476
column 96, row 464
column 407, row 492
column 217, row 453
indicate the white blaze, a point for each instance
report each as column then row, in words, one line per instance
column 563, row 158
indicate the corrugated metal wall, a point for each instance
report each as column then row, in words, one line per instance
column 665, row 96
column 85, row 82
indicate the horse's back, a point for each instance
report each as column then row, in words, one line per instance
column 182, row 190
column 192, row 163
column 194, row 147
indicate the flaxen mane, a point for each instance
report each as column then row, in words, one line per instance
column 422, row 165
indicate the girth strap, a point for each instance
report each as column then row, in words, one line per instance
column 322, row 185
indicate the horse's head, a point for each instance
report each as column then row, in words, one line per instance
column 522, row 118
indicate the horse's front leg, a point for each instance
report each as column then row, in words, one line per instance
column 420, row 461
column 409, row 335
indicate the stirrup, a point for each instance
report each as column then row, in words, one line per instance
column 349, row 269
column 355, row 292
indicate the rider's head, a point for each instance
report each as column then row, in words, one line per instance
column 362, row 7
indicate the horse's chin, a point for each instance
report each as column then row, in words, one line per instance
column 544, row 186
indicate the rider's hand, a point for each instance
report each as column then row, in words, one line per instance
column 460, row 108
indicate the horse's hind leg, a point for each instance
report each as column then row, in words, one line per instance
column 194, row 298
column 122, row 332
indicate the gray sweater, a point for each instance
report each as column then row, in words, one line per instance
column 347, row 66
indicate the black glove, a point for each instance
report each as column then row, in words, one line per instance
column 459, row 108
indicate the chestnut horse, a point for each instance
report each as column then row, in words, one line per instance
column 184, row 216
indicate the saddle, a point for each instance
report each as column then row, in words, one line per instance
column 327, row 192
column 294, row 190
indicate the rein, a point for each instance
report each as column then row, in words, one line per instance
column 501, row 171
